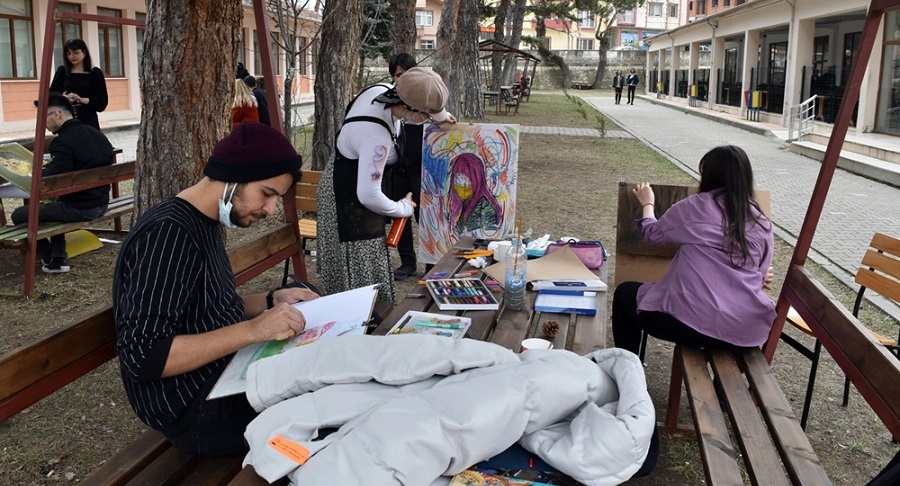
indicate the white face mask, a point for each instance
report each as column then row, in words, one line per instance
column 226, row 206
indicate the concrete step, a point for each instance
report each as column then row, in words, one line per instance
column 880, row 153
column 863, row 165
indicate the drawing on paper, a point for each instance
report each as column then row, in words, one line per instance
column 469, row 176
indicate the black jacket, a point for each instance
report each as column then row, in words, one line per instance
column 262, row 106
column 78, row 147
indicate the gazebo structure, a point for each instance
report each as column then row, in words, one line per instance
column 522, row 87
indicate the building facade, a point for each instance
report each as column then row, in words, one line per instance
column 632, row 27
column 787, row 51
column 114, row 48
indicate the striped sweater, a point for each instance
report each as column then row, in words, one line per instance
column 172, row 277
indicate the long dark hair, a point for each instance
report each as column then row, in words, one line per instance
column 71, row 45
column 728, row 168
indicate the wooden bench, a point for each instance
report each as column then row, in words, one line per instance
column 35, row 370
column 307, row 204
column 17, row 237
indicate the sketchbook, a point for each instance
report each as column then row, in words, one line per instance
column 566, row 301
column 342, row 314
column 414, row 322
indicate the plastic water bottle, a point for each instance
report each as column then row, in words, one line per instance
column 516, row 268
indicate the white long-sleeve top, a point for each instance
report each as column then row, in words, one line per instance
column 372, row 144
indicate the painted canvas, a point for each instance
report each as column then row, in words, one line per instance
column 469, row 176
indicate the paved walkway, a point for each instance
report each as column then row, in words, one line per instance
column 854, row 210
column 573, row 132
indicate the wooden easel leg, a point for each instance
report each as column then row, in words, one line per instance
column 674, row 390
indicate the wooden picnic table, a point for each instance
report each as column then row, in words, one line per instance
column 578, row 333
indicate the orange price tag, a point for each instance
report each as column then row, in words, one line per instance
column 289, row 448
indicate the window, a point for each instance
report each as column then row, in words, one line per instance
column 777, row 63
column 585, row 19
column 426, row 44
column 820, row 55
column 585, row 44
column 673, row 10
column 65, row 29
column 257, row 56
column 656, row 9
column 110, row 58
column 424, row 18
column 626, row 18
column 302, row 59
column 140, row 39
column 16, row 39
column 547, row 42
column 851, row 52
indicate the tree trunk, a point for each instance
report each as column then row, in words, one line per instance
column 444, row 59
column 187, row 75
column 499, row 36
column 548, row 56
column 603, row 43
column 288, row 123
column 404, row 32
column 517, row 16
column 468, row 59
column 336, row 66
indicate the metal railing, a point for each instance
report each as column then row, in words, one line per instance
column 802, row 119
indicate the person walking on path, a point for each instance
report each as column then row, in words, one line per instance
column 618, row 82
column 632, row 82
column 81, row 82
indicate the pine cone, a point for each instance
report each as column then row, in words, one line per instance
column 551, row 329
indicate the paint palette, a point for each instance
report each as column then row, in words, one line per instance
column 461, row 294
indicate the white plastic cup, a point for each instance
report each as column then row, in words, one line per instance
column 536, row 343
column 501, row 250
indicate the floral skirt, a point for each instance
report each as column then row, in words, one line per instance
column 350, row 264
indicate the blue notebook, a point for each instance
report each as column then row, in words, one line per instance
column 566, row 301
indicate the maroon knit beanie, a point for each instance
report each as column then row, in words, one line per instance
column 252, row 152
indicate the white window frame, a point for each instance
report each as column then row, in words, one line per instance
column 424, row 18
column 427, row 44
column 655, row 9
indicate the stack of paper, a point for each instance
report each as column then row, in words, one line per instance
column 566, row 301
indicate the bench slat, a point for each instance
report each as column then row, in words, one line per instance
column 797, row 453
column 14, row 236
column 248, row 477
column 168, row 469
column 760, row 456
column 262, row 247
column 80, row 180
column 28, row 365
column 214, row 471
column 126, row 463
column 719, row 457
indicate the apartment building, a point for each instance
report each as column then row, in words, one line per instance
column 698, row 9
column 632, row 27
column 114, row 48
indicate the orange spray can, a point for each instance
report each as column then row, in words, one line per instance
column 393, row 236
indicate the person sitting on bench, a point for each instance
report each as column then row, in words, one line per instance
column 76, row 147
column 713, row 295
column 178, row 315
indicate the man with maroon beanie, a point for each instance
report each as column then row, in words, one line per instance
column 179, row 318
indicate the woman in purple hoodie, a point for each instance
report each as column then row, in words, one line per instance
column 713, row 294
